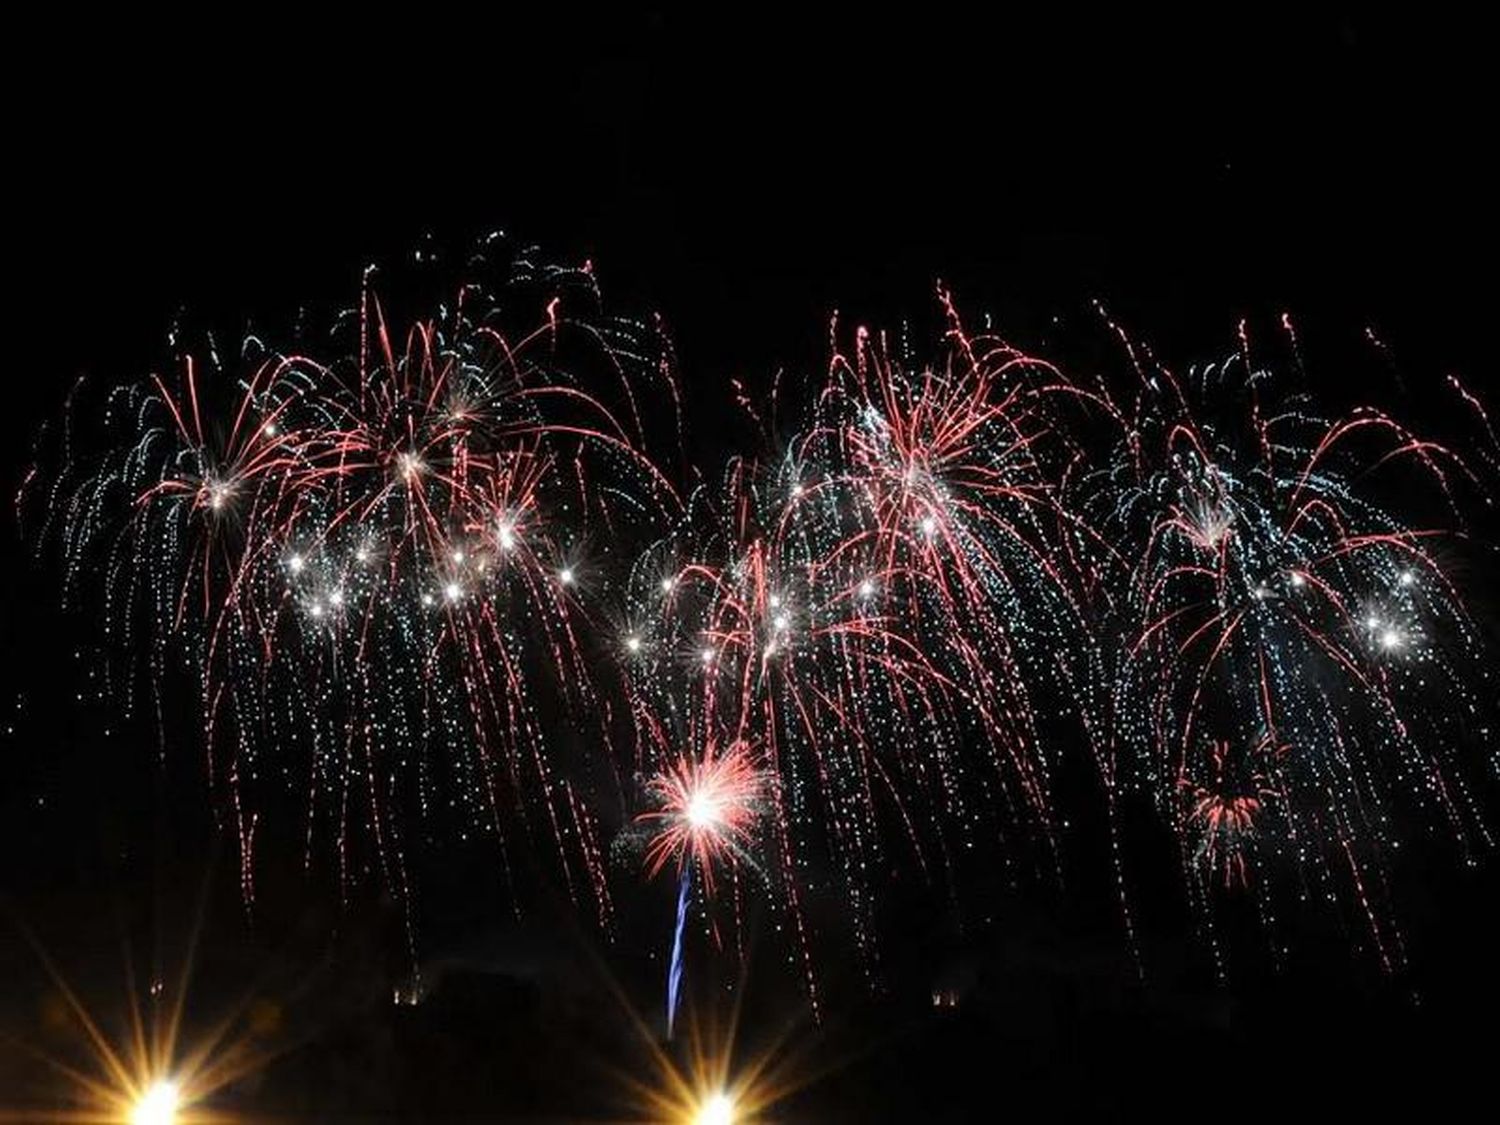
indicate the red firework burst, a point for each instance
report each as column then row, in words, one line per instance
column 705, row 810
column 1224, row 809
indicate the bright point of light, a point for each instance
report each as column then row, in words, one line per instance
column 453, row 591
column 458, row 557
column 317, row 610
column 633, row 643
column 336, row 598
column 775, row 601
column 362, row 555
column 1261, row 593
column 1406, row 578
column 1298, row 578
column 295, row 564
column 929, row 525
column 507, row 536
column 1390, row 639
column 565, row 576
column 702, row 812
column 797, row 491
column 158, row 1106
column 427, row 599
column 270, row 429
column 409, row 465
column 780, row 622
column 707, row 656
column 717, row 1110
column 866, row 588
column 666, row 585
column 1372, row 622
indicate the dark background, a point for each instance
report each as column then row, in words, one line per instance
column 744, row 175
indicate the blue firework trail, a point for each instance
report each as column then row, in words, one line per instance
column 674, row 972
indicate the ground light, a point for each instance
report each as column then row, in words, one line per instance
column 158, row 1105
column 717, row 1110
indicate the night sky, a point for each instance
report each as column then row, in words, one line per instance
column 745, row 176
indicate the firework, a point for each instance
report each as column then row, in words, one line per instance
column 872, row 611
column 437, row 573
column 1296, row 657
column 1223, row 807
column 703, row 815
column 370, row 563
column 704, row 812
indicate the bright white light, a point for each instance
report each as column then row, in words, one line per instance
column 362, row 555
column 797, row 491
column 1211, row 525
column 1372, row 622
column 565, row 576
column 717, row 1110
column 1390, row 639
column 781, row 622
column 1298, row 578
column 427, row 599
column 336, row 598
column 458, row 558
column 408, row 465
column 929, row 525
column 775, row 601
column 1406, row 578
column 158, row 1106
column 866, row 588
column 507, row 536
column 707, row 656
column 453, row 591
column 633, row 643
column 1261, row 593
column 317, row 610
column 295, row 564
column 270, row 428
column 702, row 812
column 666, row 585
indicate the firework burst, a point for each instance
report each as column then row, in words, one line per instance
column 367, row 562
column 875, row 610
column 437, row 574
column 1277, row 606
column 704, row 812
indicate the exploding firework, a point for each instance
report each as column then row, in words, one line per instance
column 1223, row 807
column 704, row 811
column 437, row 574
column 703, row 815
column 381, row 567
column 875, row 610
column 1297, row 661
